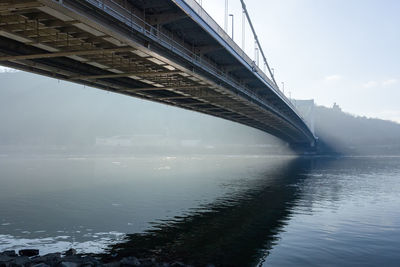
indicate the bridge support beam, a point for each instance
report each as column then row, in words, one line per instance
column 66, row 54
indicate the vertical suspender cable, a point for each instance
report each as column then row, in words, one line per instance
column 243, row 31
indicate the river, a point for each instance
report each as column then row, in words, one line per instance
column 227, row 210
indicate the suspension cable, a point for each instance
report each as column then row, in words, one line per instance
column 257, row 41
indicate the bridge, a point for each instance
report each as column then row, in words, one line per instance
column 167, row 51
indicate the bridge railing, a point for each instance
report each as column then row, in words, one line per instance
column 136, row 23
column 218, row 29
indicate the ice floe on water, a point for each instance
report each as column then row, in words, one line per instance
column 7, row 70
column 97, row 243
column 163, row 168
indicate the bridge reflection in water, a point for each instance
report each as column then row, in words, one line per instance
column 238, row 230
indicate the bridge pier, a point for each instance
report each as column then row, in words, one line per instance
column 304, row 148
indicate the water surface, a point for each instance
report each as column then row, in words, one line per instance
column 226, row 210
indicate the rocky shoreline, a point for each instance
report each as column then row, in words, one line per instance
column 32, row 258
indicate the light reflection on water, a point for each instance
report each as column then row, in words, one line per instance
column 226, row 210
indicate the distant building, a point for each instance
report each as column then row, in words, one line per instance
column 336, row 107
column 137, row 140
column 123, row 141
column 190, row 143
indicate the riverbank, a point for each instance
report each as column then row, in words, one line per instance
column 32, row 258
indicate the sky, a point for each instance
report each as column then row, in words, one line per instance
column 343, row 51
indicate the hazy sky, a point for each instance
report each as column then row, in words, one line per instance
column 344, row 51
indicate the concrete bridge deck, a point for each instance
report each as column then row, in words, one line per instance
column 168, row 51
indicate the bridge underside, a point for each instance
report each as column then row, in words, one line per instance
column 147, row 49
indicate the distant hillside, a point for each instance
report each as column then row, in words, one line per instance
column 344, row 133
